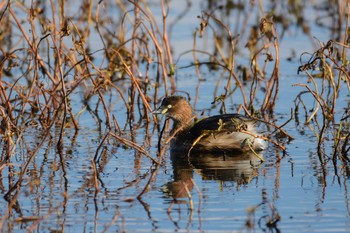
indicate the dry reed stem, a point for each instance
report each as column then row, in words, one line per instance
column 279, row 128
column 135, row 82
column 324, row 125
column 152, row 177
column 135, row 146
column 51, row 97
column 24, row 169
column 33, row 47
column 111, row 223
column 160, row 53
column 231, row 64
column 87, row 62
column 63, row 89
column 95, row 176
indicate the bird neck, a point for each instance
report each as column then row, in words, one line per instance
column 182, row 122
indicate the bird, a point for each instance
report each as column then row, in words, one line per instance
column 219, row 133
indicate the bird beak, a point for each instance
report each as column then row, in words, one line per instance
column 161, row 110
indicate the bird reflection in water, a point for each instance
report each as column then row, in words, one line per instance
column 239, row 168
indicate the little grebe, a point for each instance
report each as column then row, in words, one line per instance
column 216, row 133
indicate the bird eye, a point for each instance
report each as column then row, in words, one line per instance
column 165, row 110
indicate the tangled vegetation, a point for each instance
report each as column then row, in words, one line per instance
column 55, row 68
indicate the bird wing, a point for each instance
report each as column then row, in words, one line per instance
column 221, row 123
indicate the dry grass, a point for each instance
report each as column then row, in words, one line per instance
column 48, row 60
